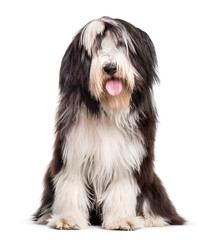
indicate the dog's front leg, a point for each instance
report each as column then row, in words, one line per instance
column 70, row 207
column 119, row 205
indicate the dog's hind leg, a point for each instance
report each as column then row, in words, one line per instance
column 158, row 210
column 43, row 214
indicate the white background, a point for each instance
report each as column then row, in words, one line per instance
column 34, row 36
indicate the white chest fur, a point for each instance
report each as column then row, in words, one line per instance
column 101, row 150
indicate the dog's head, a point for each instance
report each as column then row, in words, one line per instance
column 109, row 63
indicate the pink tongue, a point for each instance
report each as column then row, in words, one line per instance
column 113, row 87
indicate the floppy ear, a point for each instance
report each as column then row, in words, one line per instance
column 142, row 53
column 75, row 67
column 143, row 57
column 74, row 76
column 145, row 60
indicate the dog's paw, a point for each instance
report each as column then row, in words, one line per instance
column 67, row 223
column 154, row 221
column 124, row 224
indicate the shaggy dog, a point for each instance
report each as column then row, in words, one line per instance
column 102, row 168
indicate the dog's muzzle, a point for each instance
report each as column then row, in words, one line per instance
column 113, row 85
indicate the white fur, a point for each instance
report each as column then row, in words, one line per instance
column 110, row 54
column 71, row 203
column 89, row 34
column 101, row 152
column 119, row 205
column 95, row 27
column 154, row 221
column 61, row 223
column 151, row 220
column 123, row 32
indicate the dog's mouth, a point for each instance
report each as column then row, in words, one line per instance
column 113, row 86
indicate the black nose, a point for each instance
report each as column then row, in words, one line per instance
column 110, row 69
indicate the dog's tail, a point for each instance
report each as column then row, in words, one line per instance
column 43, row 214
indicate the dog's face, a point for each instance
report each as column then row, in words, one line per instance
column 109, row 60
column 112, row 75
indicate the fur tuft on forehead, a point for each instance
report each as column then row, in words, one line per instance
column 89, row 33
column 96, row 29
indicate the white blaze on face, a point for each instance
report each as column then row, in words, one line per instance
column 111, row 53
column 89, row 34
column 108, row 47
column 114, row 90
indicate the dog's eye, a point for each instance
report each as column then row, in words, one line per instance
column 120, row 44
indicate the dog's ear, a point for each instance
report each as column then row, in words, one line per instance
column 75, row 67
column 74, row 75
column 145, row 59
column 142, row 53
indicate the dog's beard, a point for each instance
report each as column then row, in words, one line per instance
column 113, row 92
column 121, row 94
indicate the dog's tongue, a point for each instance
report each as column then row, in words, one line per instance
column 113, row 87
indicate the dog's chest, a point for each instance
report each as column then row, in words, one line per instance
column 99, row 149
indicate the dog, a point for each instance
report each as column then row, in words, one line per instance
column 102, row 168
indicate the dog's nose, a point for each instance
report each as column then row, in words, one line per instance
column 110, row 69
